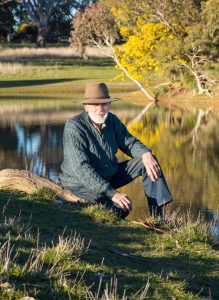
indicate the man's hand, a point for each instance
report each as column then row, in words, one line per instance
column 123, row 200
column 151, row 165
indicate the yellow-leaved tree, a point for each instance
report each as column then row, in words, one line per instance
column 165, row 36
column 139, row 55
column 154, row 37
column 96, row 27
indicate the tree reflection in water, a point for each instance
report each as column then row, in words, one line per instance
column 191, row 166
column 39, row 146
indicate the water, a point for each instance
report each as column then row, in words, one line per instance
column 190, row 158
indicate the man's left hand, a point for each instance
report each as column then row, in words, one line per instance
column 151, row 165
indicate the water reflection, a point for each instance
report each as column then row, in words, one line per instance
column 28, row 144
column 37, row 148
column 191, row 165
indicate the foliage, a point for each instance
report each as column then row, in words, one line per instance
column 139, row 55
column 51, row 18
column 94, row 26
column 178, row 47
column 8, row 14
column 26, row 32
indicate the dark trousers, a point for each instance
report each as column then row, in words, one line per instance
column 157, row 192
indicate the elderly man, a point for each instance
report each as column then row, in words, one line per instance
column 90, row 167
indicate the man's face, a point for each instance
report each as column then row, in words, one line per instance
column 97, row 112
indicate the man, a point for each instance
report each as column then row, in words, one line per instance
column 90, row 167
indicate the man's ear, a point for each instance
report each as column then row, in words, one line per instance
column 84, row 105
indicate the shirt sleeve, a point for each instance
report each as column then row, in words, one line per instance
column 77, row 162
column 127, row 142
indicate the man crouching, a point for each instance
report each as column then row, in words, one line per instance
column 90, row 167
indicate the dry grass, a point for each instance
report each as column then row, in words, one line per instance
column 62, row 52
column 182, row 234
column 53, row 264
column 111, row 293
column 14, row 69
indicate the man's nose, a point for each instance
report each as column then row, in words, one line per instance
column 101, row 107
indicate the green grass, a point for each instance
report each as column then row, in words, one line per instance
column 59, row 78
column 52, row 84
column 52, row 251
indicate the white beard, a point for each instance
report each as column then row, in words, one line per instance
column 98, row 119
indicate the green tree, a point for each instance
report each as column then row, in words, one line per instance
column 184, row 50
column 8, row 14
column 60, row 21
column 96, row 27
column 159, row 36
column 41, row 12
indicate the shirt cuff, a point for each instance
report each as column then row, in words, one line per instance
column 110, row 191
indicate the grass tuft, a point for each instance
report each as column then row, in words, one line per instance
column 183, row 235
column 110, row 292
column 44, row 194
column 69, row 248
column 99, row 213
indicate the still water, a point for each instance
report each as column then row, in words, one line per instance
column 185, row 142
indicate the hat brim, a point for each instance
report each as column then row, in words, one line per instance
column 99, row 101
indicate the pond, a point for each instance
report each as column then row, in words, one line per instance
column 185, row 141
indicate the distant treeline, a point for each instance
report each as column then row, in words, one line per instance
column 38, row 21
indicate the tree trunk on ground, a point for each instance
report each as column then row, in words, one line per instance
column 27, row 182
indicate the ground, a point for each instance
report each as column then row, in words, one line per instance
column 66, row 249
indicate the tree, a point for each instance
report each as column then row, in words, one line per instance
column 96, row 27
column 182, row 49
column 139, row 55
column 42, row 11
column 8, row 14
column 51, row 17
column 159, row 36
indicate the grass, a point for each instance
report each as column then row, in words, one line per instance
column 51, row 251
column 29, row 75
column 38, row 75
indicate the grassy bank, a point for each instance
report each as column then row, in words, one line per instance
column 61, row 251
column 57, row 74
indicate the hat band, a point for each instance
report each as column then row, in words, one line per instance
column 92, row 98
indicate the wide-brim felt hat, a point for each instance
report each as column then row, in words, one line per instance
column 97, row 93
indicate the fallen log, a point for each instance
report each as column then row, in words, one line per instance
column 27, row 182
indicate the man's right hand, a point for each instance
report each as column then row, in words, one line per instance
column 123, row 200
